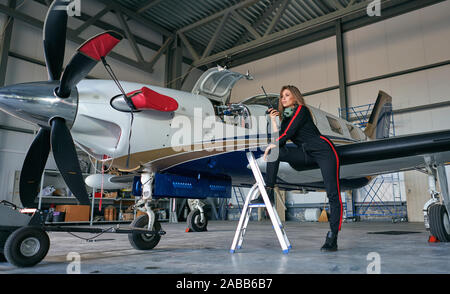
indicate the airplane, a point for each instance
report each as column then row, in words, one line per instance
column 177, row 144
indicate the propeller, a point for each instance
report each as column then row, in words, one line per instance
column 33, row 167
column 55, row 39
column 57, row 134
column 87, row 56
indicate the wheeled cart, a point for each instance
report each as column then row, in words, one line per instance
column 24, row 241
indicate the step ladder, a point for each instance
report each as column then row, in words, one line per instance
column 238, row 194
column 258, row 187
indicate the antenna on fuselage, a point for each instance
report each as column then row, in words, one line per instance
column 268, row 100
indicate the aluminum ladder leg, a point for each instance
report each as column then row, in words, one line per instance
column 259, row 187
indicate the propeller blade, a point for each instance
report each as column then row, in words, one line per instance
column 55, row 26
column 67, row 161
column 33, row 167
column 87, row 56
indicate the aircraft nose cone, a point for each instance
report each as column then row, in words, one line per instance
column 37, row 104
column 9, row 99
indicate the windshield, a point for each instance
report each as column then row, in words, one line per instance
column 271, row 100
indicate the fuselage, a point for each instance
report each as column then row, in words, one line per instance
column 156, row 136
column 195, row 138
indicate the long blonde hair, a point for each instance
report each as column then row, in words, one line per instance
column 297, row 96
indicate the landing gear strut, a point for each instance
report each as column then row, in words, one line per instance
column 436, row 214
column 196, row 219
column 142, row 241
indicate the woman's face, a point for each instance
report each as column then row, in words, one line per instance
column 287, row 99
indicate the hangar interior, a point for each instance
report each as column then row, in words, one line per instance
column 333, row 50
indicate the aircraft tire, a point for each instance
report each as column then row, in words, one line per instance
column 144, row 241
column 27, row 246
column 439, row 222
column 3, row 236
column 193, row 221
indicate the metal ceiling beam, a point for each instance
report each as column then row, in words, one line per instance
column 216, row 35
column 216, row 15
column 336, row 4
column 188, row 45
column 353, row 17
column 161, row 51
column 267, row 13
column 139, row 40
column 351, row 2
column 106, row 26
column 71, row 35
column 277, row 16
column 291, row 32
column 130, row 37
column 137, row 17
column 245, row 24
column 147, row 5
column 92, row 20
column 35, row 61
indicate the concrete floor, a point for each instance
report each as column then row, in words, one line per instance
column 208, row 252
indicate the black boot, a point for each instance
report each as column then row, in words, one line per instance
column 260, row 200
column 330, row 242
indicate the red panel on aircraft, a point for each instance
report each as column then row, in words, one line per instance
column 100, row 45
column 149, row 99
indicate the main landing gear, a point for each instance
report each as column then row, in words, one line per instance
column 436, row 212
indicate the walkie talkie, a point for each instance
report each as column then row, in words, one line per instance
column 268, row 100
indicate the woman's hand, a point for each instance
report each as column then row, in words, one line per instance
column 273, row 113
column 271, row 146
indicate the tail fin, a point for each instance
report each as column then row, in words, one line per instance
column 380, row 119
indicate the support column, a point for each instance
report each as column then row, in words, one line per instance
column 168, row 68
column 177, row 73
column 5, row 44
column 174, row 60
column 341, row 70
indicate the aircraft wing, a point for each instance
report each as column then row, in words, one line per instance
column 357, row 160
column 375, row 157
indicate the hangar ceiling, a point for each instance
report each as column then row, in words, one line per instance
column 224, row 32
column 233, row 32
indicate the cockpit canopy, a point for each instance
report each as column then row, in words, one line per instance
column 216, row 84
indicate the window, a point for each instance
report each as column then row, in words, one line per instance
column 335, row 125
column 354, row 131
column 263, row 100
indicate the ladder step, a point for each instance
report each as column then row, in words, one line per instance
column 257, row 205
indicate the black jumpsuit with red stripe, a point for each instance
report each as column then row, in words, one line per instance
column 312, row 146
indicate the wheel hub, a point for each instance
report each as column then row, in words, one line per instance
column 147, row 237
column 446, row 223
column 30, row 247
column 198, row 220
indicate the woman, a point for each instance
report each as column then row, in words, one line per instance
column 297, row 125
